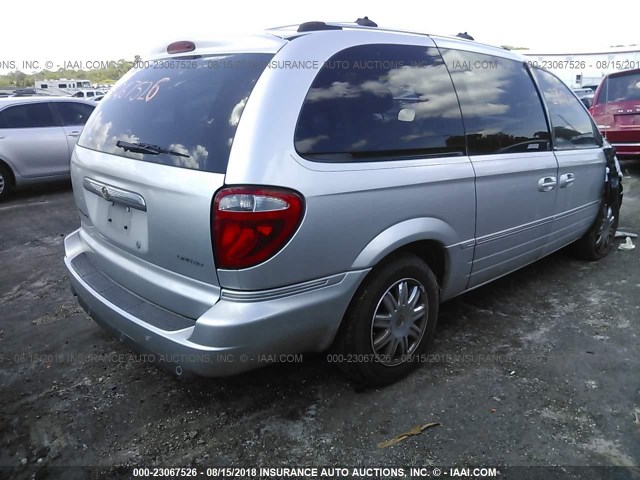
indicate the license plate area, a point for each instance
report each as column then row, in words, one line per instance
column 628, row 120
column 120, row 224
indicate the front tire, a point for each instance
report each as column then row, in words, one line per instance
column 597, row 242
column 390, row 323
column 5, row 182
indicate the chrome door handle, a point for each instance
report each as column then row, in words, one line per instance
column 566, row 180
column 74, row 134
column 546, row 184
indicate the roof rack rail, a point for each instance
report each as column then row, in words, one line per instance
column 465, row 35
column 314, row 26
column 365, row 22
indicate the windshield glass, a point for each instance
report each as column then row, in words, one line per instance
column 186, row 106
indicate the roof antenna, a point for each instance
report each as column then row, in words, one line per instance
column 465, row 35
column 365, row 22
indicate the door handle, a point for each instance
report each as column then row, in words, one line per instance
column 74, row 134
column 566, row 180
column 546, row 184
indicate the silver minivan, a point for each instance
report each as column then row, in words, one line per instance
column 324, row 186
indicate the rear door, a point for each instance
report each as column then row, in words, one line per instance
column 33, row 141
column 148, row 163
column 516, row 172
column 73, row 116
column 581, row 161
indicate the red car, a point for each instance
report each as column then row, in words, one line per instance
column 616, row 110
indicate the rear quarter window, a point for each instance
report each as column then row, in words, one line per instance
column 190, row 107
column 380, row 102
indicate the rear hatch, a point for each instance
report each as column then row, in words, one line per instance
column 147, row 166
column 616, row 109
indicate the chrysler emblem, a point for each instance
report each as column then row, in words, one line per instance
column 105, row 193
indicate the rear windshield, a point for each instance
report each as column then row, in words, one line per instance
column 181, row 112
column 620, row 88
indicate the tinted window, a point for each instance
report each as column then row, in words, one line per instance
column 32, row 115
column 500, row 105
column 572, row 126
column 380, row 102
column 190, row 107
column 620, row 88
column 73, row 113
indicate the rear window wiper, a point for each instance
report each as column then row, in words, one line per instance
column 140, row 147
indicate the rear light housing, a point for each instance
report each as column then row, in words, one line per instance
column 181, row 46
column 251, row 224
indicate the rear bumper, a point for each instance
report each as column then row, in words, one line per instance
column 242, row 331
column 627, row 149
column 626, row 141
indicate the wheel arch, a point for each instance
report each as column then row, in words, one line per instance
column 426, row 238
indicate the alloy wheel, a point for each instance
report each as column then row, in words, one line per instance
column 399, row 322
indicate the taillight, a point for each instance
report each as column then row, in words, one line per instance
column 252, row 224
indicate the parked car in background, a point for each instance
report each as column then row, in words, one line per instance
column 37, row 137
column 92, row 94
column 585, row 95
column 244, row 208
column 592, row 87
column 24, row 92
column 616, row 110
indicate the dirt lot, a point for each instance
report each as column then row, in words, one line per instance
column 539, row 368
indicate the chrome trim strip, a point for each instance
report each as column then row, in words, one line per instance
column 575, row 210
column 535, row 224
column 115, row 194
column 512, row 231
column 272, row 294
column 626, row 144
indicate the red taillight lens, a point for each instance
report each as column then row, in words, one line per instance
column 252, row 224
column 181, row 47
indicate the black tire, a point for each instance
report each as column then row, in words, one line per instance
column 354, row 346
column 597, row 242
column 6, row 182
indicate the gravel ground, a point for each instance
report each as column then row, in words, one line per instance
column 541, row 367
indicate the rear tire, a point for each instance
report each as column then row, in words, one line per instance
column 390, row 322
column 597, row 242
column 6, row 182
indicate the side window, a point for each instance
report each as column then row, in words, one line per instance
column 33, row 115
column 73, row 113
column 572, row 125
column 502, row 110
column 380, row 102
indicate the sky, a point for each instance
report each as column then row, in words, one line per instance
column 113, row 29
